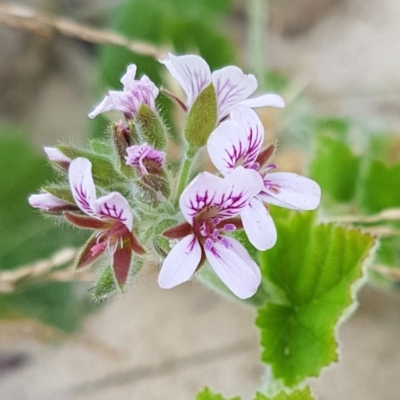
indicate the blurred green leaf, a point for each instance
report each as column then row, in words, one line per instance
column 313, row 267
column 380, row 188
column 26, row 237
column 207, row 394
column 304, row 394
column 184, row 26
column 335, row 167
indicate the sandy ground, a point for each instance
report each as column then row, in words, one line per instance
column 156, row 344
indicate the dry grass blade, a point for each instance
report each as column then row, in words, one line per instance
column 41, row 270
column 22, row 17
column 390, row 214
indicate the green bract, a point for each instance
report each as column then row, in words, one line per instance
column 202, row 118
column 313, row 266
column 104, row 172
column 151, row 127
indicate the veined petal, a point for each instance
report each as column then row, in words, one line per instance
column 236, row 272
column 82, row 185
column 237, row 141
column 266, row 100
column 191, row 72
column 106, row 105
column 46, row 201
column 232, row 86
column 129, row 76
column 115, row 206
column 221, row 197
column 259, row 226
column 153, row 88
column 243, row 253
column 226, row 145
column 181, row 263
column 290, row 191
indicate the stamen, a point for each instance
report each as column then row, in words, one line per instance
column 215, row 234
column 229, row 227
column 225, row 242
column 255, row 166
column 216, row 221
column 209, row 244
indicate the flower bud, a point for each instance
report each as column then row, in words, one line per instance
column 151, row 127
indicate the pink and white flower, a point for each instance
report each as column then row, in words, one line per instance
column 134, row 94
column 144, row 157
column 111, row 216
column 237, row 143
column 231, row 85
column 211, row 205
column 49, row 203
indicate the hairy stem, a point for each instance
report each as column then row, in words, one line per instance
column 184, row 173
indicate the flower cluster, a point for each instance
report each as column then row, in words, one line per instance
column 138, row 205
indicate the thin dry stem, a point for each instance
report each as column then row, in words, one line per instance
column 390, row 272
column 22, row 17
column 390, row 214
column 42, row 270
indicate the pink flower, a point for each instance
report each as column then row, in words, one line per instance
column 237, row 143
column 49, row 203
column 232, row 87
column 134, row 94
column 57, row 157
column 110, row 216
column 210, row 206
column 144, row 157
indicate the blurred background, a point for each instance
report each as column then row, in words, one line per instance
column 336, row 63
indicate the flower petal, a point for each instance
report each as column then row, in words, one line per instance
column 224, row 198
column 82, row 185
column 106, row 105
column 121, row 263
column 115, row 206
column 232, row 86
column 46, row 202
column 266, row 100
column 191, row 72
column 86, row 255
column 259, row 226
column 54, row 154
column 129, row 76
column 238, row 273
column 181, row 263
column 226, row 145
column 237, row 141
column 291, row 191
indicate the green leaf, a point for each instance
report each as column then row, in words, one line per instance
column 335, row 167
column 314, row 268
column 202, row 118
column 27, row 237
column 381, row 187
column 304, row 394
column 207, row 394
